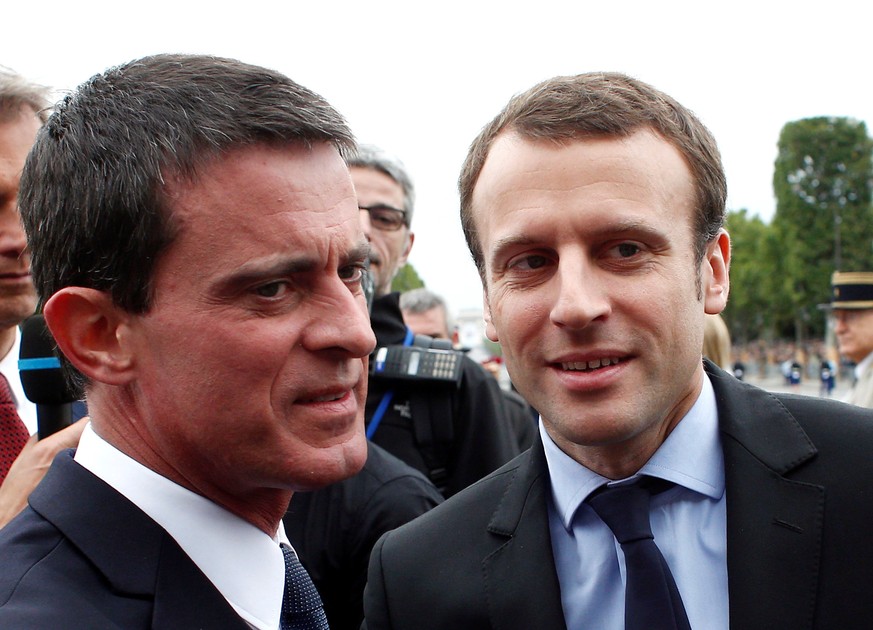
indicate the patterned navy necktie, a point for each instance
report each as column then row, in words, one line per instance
column 652, row 600
column 301, row 606
column 13, row 433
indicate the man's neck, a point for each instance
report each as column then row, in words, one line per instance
column 7, row 340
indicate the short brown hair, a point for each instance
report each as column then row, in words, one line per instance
column 602, row 104
column 92, row 195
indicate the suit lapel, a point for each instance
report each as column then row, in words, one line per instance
column 774, row 524
column 520, row 575
column 135, row 555
column 184, row 598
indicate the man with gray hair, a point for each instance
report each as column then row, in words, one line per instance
column 23, row 459
column 455, row 432
column 426, row 313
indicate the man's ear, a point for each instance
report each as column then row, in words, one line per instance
column 490, row 330
column 715, row 271
column 407, row 248
column 90, row 330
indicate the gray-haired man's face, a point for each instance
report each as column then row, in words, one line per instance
column 389, row 249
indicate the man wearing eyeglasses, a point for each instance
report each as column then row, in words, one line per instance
column 454, row 433
column 385, row 197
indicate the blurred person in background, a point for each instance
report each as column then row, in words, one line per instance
column 852, row 310
column 24, row 459
column 453, row 432
column 426, row 313
column 717, row 341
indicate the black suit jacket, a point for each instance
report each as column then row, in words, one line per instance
column 799, row 490
column 83, row 556
column 470, row 429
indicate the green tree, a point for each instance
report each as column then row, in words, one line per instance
column 823, row 219
column 406, row 279
column 751, row 312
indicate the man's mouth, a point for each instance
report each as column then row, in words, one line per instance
column 587, row 366
column 325, row 397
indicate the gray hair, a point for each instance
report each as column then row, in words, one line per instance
column 422, row 300
column 16, row 93
column 371, row 156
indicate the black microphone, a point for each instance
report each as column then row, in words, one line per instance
column 42, row 378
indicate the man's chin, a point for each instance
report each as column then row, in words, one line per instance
column 341, row 462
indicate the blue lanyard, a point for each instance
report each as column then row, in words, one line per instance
column 387, row 396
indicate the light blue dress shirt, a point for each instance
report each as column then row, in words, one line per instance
column 688, row 522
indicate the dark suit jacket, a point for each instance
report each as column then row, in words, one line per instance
column 799, row 488
column 83, row 556
column 478, row 425
column 334, row 529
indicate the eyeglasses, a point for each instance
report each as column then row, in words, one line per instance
column 384, row 217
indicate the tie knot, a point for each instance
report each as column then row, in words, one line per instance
column 625, row 508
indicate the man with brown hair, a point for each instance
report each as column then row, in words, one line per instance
column 196, row 243
column 593, row 206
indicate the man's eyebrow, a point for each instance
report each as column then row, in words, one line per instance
column 607, row 230
column 361, row 251
column 252, row 272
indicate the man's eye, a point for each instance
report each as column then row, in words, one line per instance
column 353, row 273
column 530, row 263
column 386, row 219
column 627, row 250
column 272, row 290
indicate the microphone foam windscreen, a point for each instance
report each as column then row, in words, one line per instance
column 41, row 375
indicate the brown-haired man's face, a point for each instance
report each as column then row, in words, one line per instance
column 592, row 287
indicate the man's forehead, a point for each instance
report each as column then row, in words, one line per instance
column 370, row 180
column 514, row 154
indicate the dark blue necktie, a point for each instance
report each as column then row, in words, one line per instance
column 652, row 601
column 301, row 605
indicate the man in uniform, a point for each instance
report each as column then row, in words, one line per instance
column 852, row 308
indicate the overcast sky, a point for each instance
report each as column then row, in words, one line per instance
column 421, row 78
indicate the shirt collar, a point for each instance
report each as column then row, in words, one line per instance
column 691, row 457
column 9, row 369
column 249, row 573
column 863, row 366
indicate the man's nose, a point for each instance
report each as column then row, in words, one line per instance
column 13, row 240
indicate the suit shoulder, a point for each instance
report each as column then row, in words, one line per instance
column 25, row 542
column 810, row 410
column 470, row 509
column 38, row 559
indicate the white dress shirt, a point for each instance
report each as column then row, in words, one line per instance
column 689, row 524
column 245, row 564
